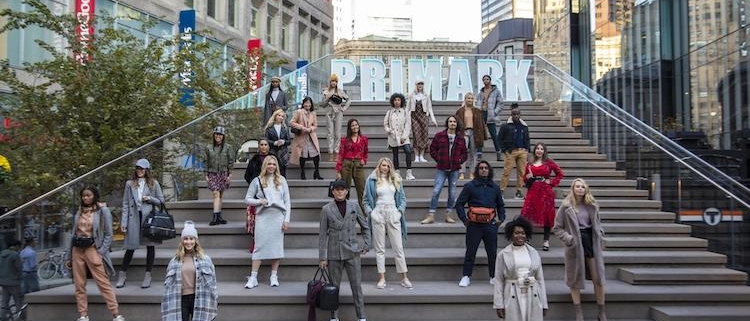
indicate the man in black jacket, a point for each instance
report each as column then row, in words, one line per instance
column 515, row 143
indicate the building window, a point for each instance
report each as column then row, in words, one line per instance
column 254, row 22
column 286, row 33
column 232, row 13
column 211, row 8
column 271, row 26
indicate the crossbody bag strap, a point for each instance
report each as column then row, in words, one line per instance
column 261, row 187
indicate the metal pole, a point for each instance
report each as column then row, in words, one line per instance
column 731, row 233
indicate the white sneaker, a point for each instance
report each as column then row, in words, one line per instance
column 251, row 282
column 492, row 281
column 465, row 281
column 118, row 318
column 274, row 280
column 86, row 318
column 409, row 176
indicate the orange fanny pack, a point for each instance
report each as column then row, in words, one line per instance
column 481, row 214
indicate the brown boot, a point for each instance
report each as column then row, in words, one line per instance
column 331, row 157
column 579, row 312
column 602, row 313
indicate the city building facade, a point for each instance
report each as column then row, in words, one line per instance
column 509, row 37
column 499, row 10
column 357, row 19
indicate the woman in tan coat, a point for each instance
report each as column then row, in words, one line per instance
column 305, row 145
column 579, row 227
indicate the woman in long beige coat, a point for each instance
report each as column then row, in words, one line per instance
column 305, row 145
column 579, row 227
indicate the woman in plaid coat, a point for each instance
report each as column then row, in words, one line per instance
column 196, row 297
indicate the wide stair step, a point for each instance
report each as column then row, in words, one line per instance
column 681, row 275
column 700, row 313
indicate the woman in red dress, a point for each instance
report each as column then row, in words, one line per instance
column 539, row 204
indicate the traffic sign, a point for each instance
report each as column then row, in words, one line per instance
column 712, row 216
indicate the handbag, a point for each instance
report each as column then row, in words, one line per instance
column 336, row 99
column 481, row 215
column 529, row 182
column 322, row 293
column 296, row 131
column 159, row 225
column 250, row 219
column 82, row 242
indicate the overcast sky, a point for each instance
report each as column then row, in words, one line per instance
column 455, row 20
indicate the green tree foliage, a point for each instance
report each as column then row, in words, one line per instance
column 73, row 117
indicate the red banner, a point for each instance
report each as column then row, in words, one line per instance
column 84, row 29
column 254, row 70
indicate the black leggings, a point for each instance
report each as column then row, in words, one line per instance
column 407, row 150
column 150, row 254
column 547, row 229
column 188, row 305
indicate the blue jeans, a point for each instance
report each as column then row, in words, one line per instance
column 440, row 177
column 476, row 233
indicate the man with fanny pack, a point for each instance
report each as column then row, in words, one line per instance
column 486, row 212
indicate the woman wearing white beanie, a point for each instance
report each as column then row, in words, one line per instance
column 190, row 289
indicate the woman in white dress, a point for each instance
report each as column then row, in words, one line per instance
column 269, row 192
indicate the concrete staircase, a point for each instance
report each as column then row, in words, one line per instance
column 655, row 270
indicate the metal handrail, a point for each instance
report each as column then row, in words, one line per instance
column 629, row 121
column 138, row 149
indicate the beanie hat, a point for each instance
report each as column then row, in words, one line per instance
column 189, row 230
column 143, row 163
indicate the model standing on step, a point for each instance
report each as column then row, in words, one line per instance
column 420, row 107
column 270, row 193
column 254, row 164
column 397, row 125
column 448, row 149
column 142, row 195
column 578, row 225
column 92, row 237
column 275, row 99
column 190, row 285
column 539, row 204
column 305, row 145
column 279, row 138
column 337, row 102
column 385, row 205
column 520, row 294
column 218, row 161
column 350, row 164
column 470, row 119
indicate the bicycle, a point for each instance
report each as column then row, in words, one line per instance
column 53, row 266
column 14, row 314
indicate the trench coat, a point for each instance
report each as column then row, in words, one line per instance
column 506, row 287
column 206, row 292
column 133, row 238
column 299, row 121
column 566, row 228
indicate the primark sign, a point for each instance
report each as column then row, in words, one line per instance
column 511, row 77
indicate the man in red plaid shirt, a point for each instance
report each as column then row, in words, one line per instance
column 448, row 149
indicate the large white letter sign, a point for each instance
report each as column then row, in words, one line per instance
column 490, row 67
column 433, row 81
column 345, row 69
column 516, row 84
column 397, row 77
column 372, row 75
column 459, row 80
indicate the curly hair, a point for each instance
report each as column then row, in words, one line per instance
column 398, row 95
column 519, row 221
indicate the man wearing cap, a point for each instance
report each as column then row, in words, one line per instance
column 275, row 99
column 339, row 247
column 490, row 101
column 337, row 102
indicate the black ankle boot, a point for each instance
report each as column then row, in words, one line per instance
column 214, row 220
column 302, row 174
column 316, row 175
column 220, row 219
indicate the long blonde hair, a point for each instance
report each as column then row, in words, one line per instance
column 393, row 177
column 264, row 175
column 588, row 198
column 467, row 95
column 272, row 120
column 197, row 249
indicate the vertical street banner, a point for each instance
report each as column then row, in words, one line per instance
column 302, row 83
column 84, row 10
column 254, row 70
column 187, row 36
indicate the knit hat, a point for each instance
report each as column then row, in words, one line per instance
column 220, row 130
column 143, row 163
column 189, row 230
